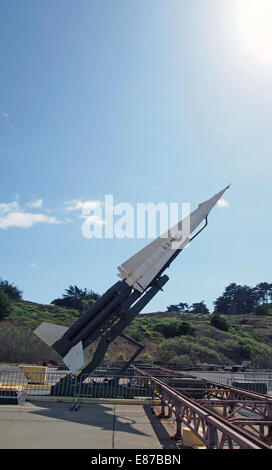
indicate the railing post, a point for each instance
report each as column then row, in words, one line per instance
column 162, row 413
column 76, row 404
column 170, row 412
column 212, row 437
column 268, row 436
column 178, row 435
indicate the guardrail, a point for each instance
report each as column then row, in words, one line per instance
column 47, row 384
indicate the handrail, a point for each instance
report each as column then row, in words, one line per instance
column 211, row 422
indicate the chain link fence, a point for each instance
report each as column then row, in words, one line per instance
column 260, row 382
column 21, row 383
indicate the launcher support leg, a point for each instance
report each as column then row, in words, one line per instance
column 133, row 357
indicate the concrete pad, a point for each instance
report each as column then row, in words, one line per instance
column 137, row 428
column 42, row 425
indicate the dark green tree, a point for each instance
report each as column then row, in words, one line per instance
column 260, row 310
column 183, row 306
column 263, row 292
column 5, row 305
column 76, row 298
column 173, row 308
column 199, row 307
column 236, row 300
column 11, row 290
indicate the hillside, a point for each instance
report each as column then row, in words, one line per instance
column 184, row 339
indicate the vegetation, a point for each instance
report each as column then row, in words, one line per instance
column 169, row 337
column 10, row 290
column 4, row 304
column 237, row 300
column 183, row 307
column 219, row 322
column 76, row 298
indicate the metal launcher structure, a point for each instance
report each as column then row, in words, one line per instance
column 142, row 278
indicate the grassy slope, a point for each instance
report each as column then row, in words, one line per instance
column 249, row 337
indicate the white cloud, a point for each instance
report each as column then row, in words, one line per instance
column 32, row 265
column 35, row 204
column 25, row 220
column 78, row 205
column 11, row 215
column 223, row 203
column 91, row 211
column 8, row 206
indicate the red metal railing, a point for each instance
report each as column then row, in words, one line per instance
column 216, row 430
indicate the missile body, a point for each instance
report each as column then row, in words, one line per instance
column 138, row 274
column 142, row 268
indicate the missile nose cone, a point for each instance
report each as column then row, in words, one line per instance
column 207, row 206
column 139, row 270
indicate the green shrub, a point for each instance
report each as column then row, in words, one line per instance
column 172, row 327
column 20, row 345
column 261, row 355
column 135, row 333
column 186, row 328
column 219, row 322
column 245, row 351
column 5, row 305
column 236, row 349
column 168, row 327
column 147, row 357
column 187, row 346
column 242, row 332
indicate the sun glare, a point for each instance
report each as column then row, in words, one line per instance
column 255, row 27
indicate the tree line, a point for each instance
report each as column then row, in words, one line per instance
column 235, row 300
column 74, row 298
column 183, row 307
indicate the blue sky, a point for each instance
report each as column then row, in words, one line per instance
column 162, row 101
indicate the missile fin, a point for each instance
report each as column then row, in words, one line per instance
column 49, row 333
column 74, row 359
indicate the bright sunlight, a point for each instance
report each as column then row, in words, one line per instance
column 255, row 27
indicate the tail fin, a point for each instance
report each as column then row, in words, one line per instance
column 49, row 333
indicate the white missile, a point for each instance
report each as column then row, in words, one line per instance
column 140, row 270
